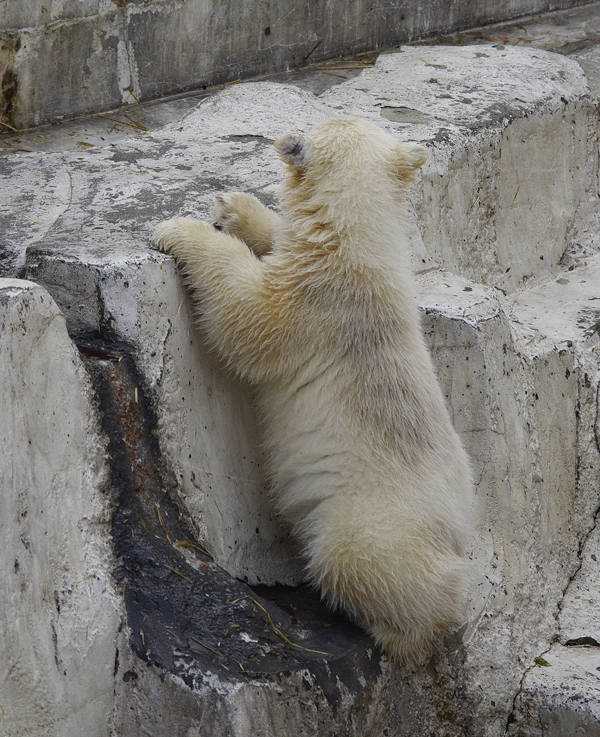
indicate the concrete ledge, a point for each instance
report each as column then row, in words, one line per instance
column 513, row 140
column 560, row 696
column 485, row 189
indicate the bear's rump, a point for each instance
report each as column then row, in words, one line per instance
column 383, row 565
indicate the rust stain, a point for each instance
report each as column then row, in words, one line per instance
column 9, row 87
column 10, row 42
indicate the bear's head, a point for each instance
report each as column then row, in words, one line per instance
column 344, row 154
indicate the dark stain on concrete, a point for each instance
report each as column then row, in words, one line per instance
column 247, row 138
column 405, row 115
column 589, row 320
column 9, row 87
column 186, row 613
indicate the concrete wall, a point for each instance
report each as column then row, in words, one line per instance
column 64, row 59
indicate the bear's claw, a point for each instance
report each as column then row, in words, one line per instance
column 224, row 211
column 163, row 235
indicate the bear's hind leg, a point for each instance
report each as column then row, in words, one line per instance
column 388, row 572
column 244, row 217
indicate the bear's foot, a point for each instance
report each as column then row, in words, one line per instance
column 408, row 648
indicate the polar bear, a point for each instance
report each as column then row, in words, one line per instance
column 316, row 308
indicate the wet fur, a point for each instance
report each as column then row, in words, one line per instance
column 316, row 308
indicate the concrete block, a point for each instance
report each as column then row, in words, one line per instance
column 559, row 692
column 59, row 608
column 490, row 116
column 506, row 400
column 559, row 696
column 206, row 423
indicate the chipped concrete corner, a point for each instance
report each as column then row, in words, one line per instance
column 208, row 629
column 63, row 59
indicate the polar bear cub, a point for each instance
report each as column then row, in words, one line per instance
column 316, row 308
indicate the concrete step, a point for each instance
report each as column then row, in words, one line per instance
column 505, row 244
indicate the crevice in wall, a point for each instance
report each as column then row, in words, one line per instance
column 584, row 538
column 512, row 715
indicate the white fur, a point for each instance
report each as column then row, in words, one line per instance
column 316, row 308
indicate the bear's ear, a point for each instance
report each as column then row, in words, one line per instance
column 409, row 157
column 295, row 150
column 413, row 154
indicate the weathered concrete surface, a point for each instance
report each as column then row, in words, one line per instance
column 74, row 58
column 214, row 636
column 578, row 618
column 72, row 662
column 560, row 696
column 136, row 295
column 59, row 609
column 491, row 116
column 574, row 32
column 524, row 397
column 518, row 357
column 565, row 31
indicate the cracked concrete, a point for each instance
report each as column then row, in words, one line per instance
column 567, row 682
column 558, row 695
column 518, row 359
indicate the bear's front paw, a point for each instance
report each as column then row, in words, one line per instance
column 165, row 235
column 244, row 217
column 173, row 234
column 226, row 211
